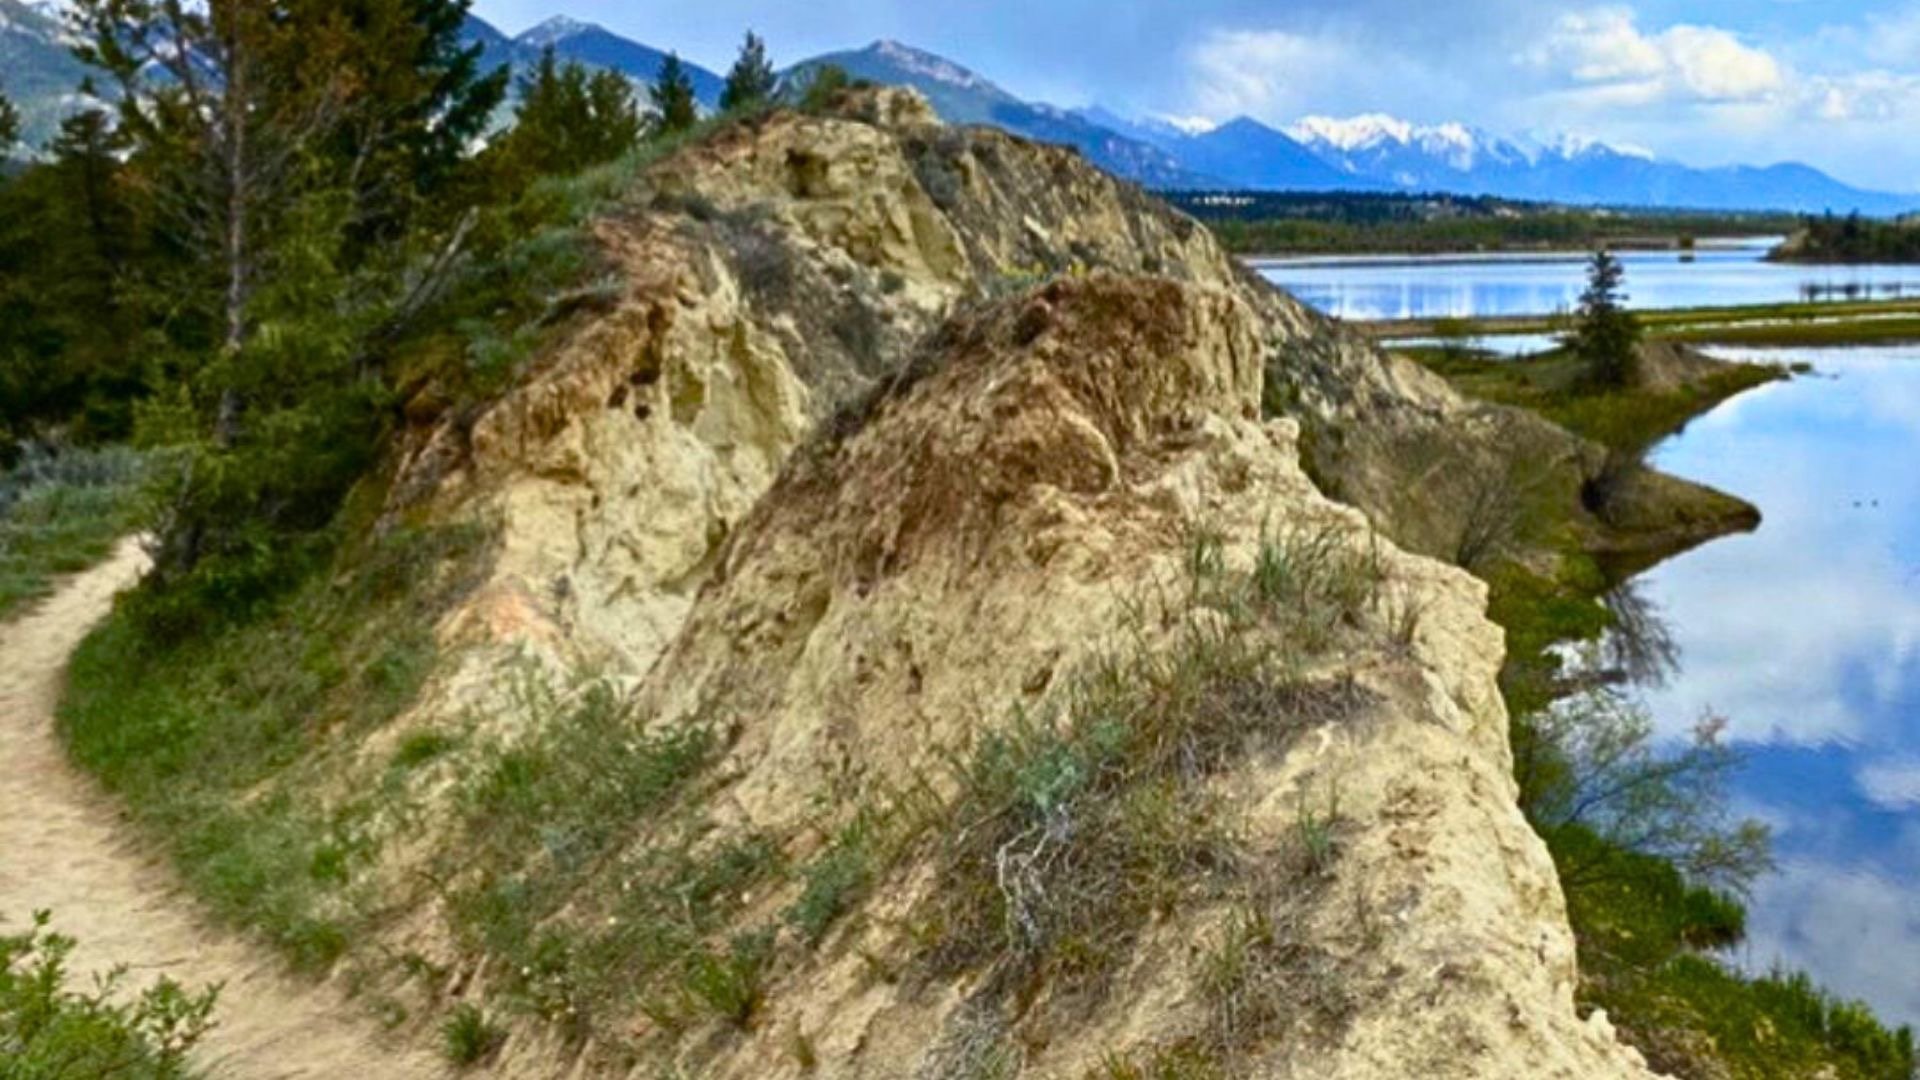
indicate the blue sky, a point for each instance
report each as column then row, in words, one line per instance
column 1831, row 82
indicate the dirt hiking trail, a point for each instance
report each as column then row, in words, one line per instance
column 63, row 848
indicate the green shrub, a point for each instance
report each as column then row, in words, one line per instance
column 587, row 777
column 579, row 876
column 421, row 747
column 835, row 881
column 468, row 1036
column 1180, row 1062
column 728, row 984
column 51, row 1032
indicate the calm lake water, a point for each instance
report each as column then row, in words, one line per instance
column 1461, row 286
column 1806, row 637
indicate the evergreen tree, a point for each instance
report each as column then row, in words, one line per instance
column 66, row 240
column 92, row 238
column 568, row 121
column 826, row 83
column 217, row 104
column 9, row 125
column 34, row 385
column 1606, row 336
column 285, row 151
column 548, row 94
column 87, row 171
column 614, row 124
column 412, row 99
column 751, row 82
column 673, row 101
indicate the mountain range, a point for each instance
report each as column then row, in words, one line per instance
column 585, row 43
column 1370, row 153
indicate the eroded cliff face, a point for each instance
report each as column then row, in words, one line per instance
column 770, row 275
column 990, row 529
column 841, row 479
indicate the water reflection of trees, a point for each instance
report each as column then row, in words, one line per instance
column 1599, row 786
column 1640, row 649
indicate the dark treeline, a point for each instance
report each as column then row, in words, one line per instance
column 1852, row 239
column 279, row 219
column 1277, row 223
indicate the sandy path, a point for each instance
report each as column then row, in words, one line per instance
column 63, row 848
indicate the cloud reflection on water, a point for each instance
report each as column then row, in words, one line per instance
column 1806, row 635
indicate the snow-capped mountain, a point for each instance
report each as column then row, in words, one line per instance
column 1457, row 158
column 1377, row 152
column 1433, row 157
column 556, row 31
column 1370, row 152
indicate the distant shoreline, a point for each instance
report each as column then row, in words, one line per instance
column 1844, row 322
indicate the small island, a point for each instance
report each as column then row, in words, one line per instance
column 1852, row 240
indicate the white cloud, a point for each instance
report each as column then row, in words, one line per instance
column 1254, row 72
column 1605, row 52
column 1894, row 39
column 1854, row 927
column 1716, row 66
column 1870, row 97
column 1892, row 785
column 1602, row 46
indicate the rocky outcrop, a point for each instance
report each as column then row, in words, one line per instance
column 771, row 274
column 891, row 430
column 919, row 580
column 776, row 271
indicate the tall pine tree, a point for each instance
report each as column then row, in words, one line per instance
column 223, row 127
column 290, row 151
column 416, row 101
column 92, row 240
column 66, row 324
column 674, row 106
column 752, row 81
column 1606, row 336
column 614, row 121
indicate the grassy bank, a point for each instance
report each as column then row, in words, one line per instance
column 220, row 745
column 60, row 515
column 1627, row 420
column 1835, row 323
column 1825, row 334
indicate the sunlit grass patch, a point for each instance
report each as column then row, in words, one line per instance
column 62, row 514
